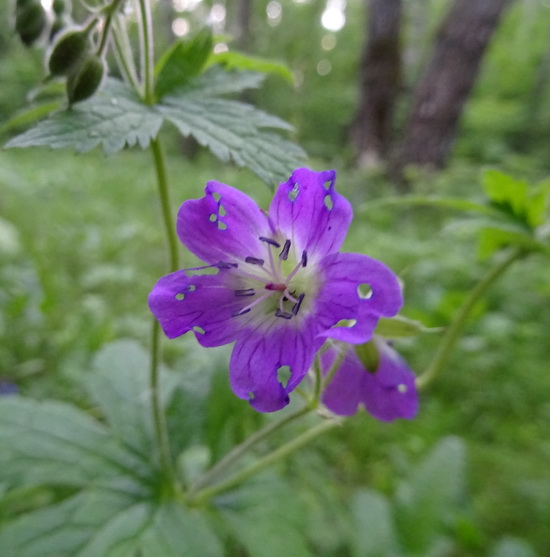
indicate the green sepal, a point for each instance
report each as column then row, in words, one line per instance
column 399, row 326
column 182, row 62
column 369, row 355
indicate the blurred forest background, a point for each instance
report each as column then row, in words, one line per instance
column 398, row 96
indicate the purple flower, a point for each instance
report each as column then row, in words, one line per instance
column 388, row 393
column 280, row 285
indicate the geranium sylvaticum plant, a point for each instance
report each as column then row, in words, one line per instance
column 311, row 326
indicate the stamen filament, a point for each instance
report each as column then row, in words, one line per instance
column 247, row 308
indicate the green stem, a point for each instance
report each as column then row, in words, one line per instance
column 123, row 53
column 280, row 453
column 166, row 206
column 161, row 431
column 107, row 26
column 455, row 328
column 240, row 450
column 148, row 57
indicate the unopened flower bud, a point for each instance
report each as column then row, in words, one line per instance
column 85, row 78
column 61, row 6
column 30, row 21
column 68, row 51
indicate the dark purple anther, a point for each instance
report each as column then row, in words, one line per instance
column 296, row 306
column 283, row 314
column 245, row 292
column 270, row 241
column 304, row 258
column 285, row 250
column 225, row 265
column 240, row 312
column 254, row 260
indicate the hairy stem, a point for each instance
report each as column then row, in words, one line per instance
column 164, row 195
column 148, row 57
column 123, row 54
column 107, row 26
column 240, row 450
column 159, row 421
column 263, row 463
column 455, row 328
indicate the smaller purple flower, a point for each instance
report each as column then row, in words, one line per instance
column 280, row 286
column 8, row 388
column 387, row 394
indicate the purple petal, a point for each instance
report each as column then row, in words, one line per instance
column 339, row 298
column 257, row 357
column 308, row 211
column 223, row 224
column 207, row 302
column 387, row 394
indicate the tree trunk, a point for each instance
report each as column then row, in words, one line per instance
column 380, row 78
column 444, row 87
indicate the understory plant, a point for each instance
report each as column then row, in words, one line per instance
column 313, row 329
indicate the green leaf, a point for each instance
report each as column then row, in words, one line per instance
column 216, row 82
column 507, row 193
column 114, row 117
column 183, row 61
column 54, row 443
column 103, row 523
column 429, row 496
column 373, row 528
column 236, row 131
column 29, row 116
column 235, row 60
column 537, row 204
column 493, row 238
column 266, row 516
column 119, row 383
column 399, row 326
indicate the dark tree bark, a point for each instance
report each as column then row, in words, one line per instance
column 447, row 81
column 380, row 78
column 244, row 19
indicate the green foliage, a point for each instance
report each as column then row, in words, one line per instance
column 400, row 326
column 374, row 525
column 117, row 117
column 182, row 62
column 236, row 61
column 265, row 516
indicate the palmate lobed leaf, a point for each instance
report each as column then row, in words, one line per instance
column 54, row 443
column 103, row 523
column 116, row 117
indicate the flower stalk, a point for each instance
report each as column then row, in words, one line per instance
column 455, row 328
column 261, row 464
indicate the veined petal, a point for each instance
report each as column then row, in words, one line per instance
column 258, row 356
column 308, row 211
column 340, row 297
column 390, row 393
column 206, row 303
column 387, row 394
column 223, row 224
